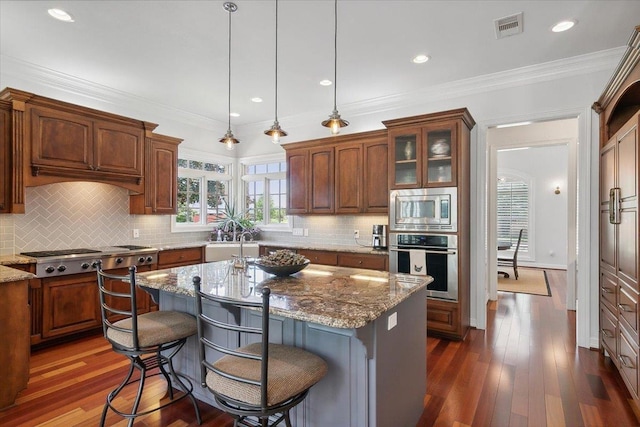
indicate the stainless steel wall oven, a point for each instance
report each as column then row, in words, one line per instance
column 433, row 254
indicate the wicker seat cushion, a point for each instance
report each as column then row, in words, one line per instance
column 292, row 370
column 154, row 328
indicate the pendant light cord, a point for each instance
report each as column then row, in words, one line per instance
column 335, row 55
column 229, row 85
column 276, row 62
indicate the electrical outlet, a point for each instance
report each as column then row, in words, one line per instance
column 297, row 231
column 306, row 232
column 356, row 234
column 392, row 320
column 136, row 233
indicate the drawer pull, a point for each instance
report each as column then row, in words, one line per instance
column 607, row 333
column 606, row 290
column 625, row 308
column 626, row 361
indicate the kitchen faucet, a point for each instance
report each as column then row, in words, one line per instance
column 240, row 262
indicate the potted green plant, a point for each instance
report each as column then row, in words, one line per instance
column 235, row 222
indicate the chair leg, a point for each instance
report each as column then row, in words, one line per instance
column 183, row 387
column 143, row 375
column 115, row 392
column 287, row 420
column 515, row 272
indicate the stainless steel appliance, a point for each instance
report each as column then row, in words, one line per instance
column 379, row 237
column 424, row 209
column 433, row 254
column 83, row 260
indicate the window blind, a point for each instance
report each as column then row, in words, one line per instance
column 513, row 213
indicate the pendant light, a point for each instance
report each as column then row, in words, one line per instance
column 228, row 139
column 334, row 122
column 276, row 132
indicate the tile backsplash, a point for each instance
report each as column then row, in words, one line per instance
column 84, row 214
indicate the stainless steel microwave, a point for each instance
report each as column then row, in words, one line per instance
column 424, row 209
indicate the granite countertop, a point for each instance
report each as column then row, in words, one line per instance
column 12, row 275
column 333, row 296
column 327, row 247
column 15, row 259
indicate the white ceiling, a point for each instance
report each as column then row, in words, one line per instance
column 174, row 53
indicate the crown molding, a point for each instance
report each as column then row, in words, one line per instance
column 605, row 60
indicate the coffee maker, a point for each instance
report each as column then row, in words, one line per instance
column 379, row 237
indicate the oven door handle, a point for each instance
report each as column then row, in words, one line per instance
column 447, row 252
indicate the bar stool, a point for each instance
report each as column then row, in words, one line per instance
column 148, row 340
column 257, row 380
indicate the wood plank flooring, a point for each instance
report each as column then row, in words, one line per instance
column 524, row 370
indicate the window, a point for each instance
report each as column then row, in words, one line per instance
column 202, row 186
column 265, row 191
column 513, row 212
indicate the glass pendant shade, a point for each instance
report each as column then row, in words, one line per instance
column 335, row 122
column 228, row 139
column 275, row 132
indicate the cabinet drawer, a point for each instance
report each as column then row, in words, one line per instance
column 628, row 308
column 184, row 256
column 320, row 257
column 372, row 262
column 609, row 331
column 442, row 317
column 628, row 361
column 609, row 290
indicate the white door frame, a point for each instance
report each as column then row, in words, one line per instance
column 579, row 283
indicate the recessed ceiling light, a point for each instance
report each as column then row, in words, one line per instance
column 420, row 59
column 564, row 25
column 256, row 99
column 325, row 82
column 234, row 114
column 61, row 15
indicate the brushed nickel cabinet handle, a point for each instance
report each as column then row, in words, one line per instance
column 625, row 308
column 607, row 333
column 626, row 361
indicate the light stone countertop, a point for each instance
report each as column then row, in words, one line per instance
column 16, row 259
column 12, row 275
column 333, row 296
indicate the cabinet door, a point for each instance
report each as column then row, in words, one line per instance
column 320, row 257
column 297, row 176
column 440, row 150
column 376, row 177
column 368, row 261
column 118, row 148
column 349, row 179
column 321, row 188
column 61, row 139
column 5, row 159
column 627, row 176
column 180, row 257
column 607, row 229
column 70, row 305
column 405, row 149
column 164, row 177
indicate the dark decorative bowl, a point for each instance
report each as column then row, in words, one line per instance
column 281, row 270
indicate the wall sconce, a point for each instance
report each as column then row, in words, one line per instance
column 557, row 190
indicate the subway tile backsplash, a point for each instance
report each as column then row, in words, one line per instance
column 83, row 214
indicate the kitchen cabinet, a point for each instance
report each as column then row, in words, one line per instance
column 424, row 149
column 341, row 175
column 320, row 257
column 14, row 340
column 368, row 261
column 434, row 150
column 77, row 145
column 5, row 156
column 179, row 257
column 70, row 305
column 161, row 177
column 619, row 110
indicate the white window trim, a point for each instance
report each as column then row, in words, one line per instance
column 517, row 175
column 199, row 156
column 253, row 160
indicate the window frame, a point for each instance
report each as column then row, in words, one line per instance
column 527, row 253
column 265, row 177
column 192, row 155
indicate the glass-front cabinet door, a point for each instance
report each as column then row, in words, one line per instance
column 440, row 155
column 406, row 158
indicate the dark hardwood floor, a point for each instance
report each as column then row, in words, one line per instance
column 524, row 370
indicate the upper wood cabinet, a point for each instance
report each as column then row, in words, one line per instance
column 5, row 156
column 161, row 177
column 53, row 141
column 424, row 149
column 342, row 175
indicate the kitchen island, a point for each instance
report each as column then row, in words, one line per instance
column 368, row 326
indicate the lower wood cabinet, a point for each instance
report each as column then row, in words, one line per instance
column 179, row 257
column 369, row 261
column 341, row 259
column 320, row 257
column 443, row 318
column 14, row 340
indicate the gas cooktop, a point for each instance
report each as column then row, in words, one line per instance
column 61, row 252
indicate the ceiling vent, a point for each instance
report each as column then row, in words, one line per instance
column 508, row 26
